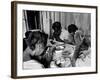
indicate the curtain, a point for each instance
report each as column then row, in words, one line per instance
column 45, row 19
column 82, row 20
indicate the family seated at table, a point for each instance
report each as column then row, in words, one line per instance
column 62, row 49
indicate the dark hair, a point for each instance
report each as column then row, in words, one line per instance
column 25, row 40
column 27, row 34
column 56, row 26
column 72, row 28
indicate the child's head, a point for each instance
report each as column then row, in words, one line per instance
column 56, row 26
column 37, row 41
column 72, row 28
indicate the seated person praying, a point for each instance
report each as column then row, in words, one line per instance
column 57, row 32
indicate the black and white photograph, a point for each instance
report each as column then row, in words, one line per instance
column 53, row 39
column 56, row 39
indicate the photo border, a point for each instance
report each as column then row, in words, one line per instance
column 14, row 37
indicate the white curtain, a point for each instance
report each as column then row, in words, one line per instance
column 82, row 20
column 47, row 18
